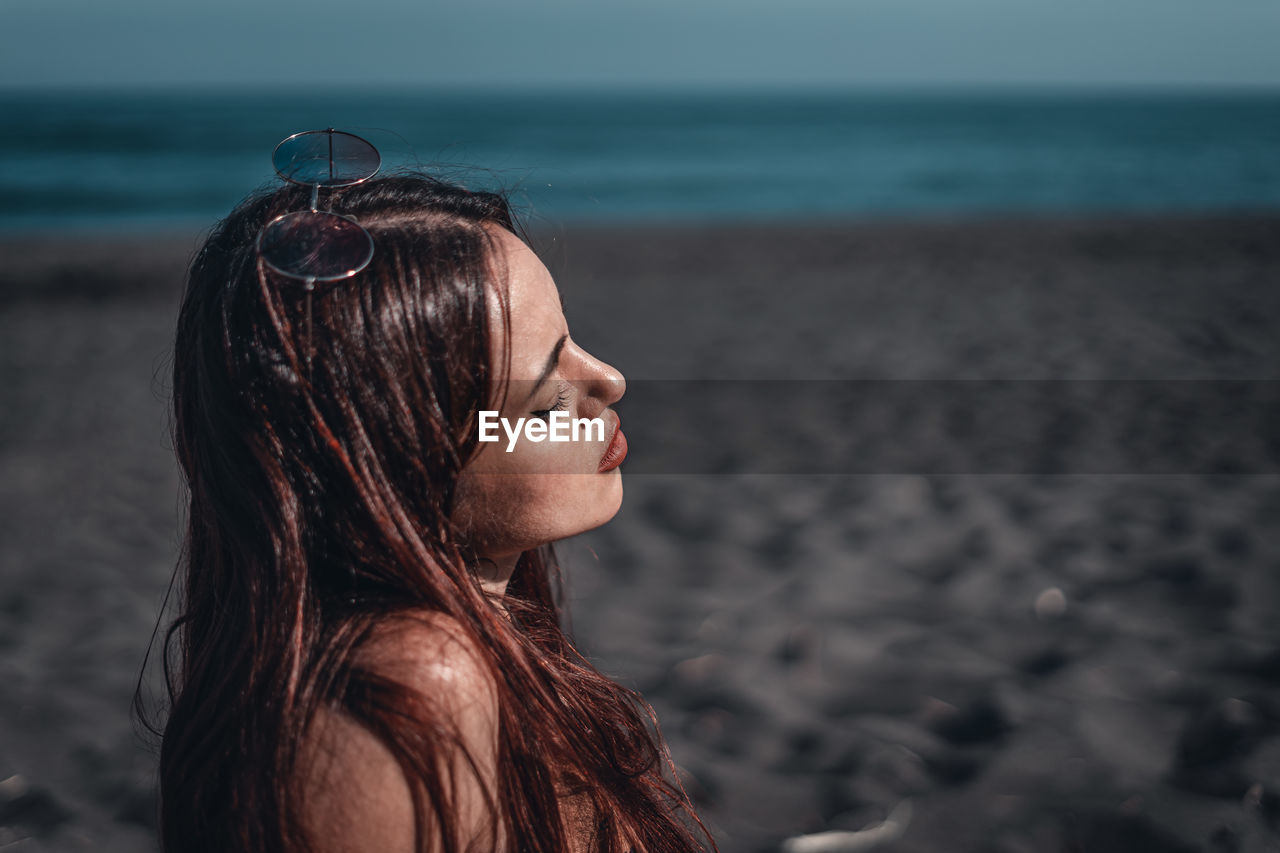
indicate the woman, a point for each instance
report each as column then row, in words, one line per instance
column 371, row 655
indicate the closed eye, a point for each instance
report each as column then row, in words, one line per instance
column 562, row 403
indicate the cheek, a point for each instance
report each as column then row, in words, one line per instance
column 543, row 456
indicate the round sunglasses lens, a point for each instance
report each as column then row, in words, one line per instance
column 315, row 245
column 329, row 158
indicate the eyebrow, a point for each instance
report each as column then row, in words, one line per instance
column 552, row 361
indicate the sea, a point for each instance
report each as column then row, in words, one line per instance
column 172, row 159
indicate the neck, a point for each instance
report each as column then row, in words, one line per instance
column 494, row 574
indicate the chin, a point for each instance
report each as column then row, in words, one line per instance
column 560, row 519
column 614, row 499
column 601, row 507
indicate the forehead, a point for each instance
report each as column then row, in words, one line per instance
column 535, row 311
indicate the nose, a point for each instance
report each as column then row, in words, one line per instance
column 600, row 380
column 614, row 387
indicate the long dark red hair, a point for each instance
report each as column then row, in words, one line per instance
column 320, row 508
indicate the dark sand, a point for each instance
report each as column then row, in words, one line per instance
column 1035, row 663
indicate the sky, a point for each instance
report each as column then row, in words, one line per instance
column 652, row 44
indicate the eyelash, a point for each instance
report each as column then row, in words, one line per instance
column 562, row 403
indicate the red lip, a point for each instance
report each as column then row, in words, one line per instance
column 615, row 452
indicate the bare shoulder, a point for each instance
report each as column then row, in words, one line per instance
column 355, row 795
column 432, row 654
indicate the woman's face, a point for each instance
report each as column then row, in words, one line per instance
column 540, row 491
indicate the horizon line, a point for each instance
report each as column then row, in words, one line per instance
column 666, row 89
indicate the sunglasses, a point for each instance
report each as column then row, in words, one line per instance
column 317, row 245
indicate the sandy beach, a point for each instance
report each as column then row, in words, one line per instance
column 1050, row 659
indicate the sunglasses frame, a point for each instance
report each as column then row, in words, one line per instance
column 282, row 232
